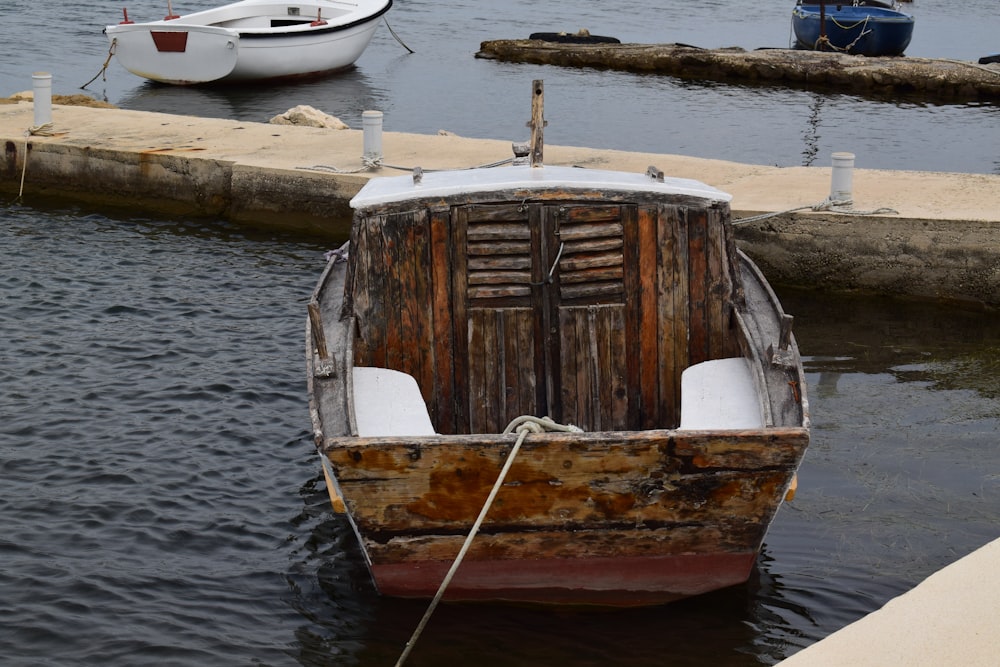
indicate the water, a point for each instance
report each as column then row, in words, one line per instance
column 161, row 503
column 442, row 86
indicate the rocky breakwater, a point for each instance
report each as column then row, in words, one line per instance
column 932, row 79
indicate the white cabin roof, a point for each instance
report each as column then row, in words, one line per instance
column 386, row 190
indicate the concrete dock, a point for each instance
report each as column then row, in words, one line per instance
column 951, row 618
column 941, row 240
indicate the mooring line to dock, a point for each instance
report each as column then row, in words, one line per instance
column 523, row 425
column 369, row 164
column 834, row 206
column 43, row 130
column 104, row 68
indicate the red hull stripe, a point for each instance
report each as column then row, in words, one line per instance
column 170, row 41
column 602, row 581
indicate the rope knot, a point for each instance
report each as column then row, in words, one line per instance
column 533, row 424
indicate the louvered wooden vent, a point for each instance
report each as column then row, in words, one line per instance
column 499, row 256
column 590, row 267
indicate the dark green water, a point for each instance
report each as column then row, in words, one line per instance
column 161, row 503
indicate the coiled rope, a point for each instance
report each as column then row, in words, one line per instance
column 523, row 425
column 840, row 206
column 43, row 130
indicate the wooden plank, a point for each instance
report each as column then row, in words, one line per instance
column 576, row 543
column 460, row 318
column 602, row 371
column 397, row 271
column 673, row 312
column 587, row 222
column 442, row 406
column 593, row 213
column 511, row 280
column 579, row 269
column 600, row 292
column 501, row 262
column 483, row 359
column 497, row 292
column 719, row 286
column 640, row 281
column 698, row 329
column 568, row 369
column 592, row 244
column 369, row 281
column 564, row 479
column 614, row 375
column 543, row 222
column 510, row 362
column 415, row 302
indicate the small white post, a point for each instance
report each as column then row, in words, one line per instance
column 841, row 179
column 371, row 123
column 42, row 91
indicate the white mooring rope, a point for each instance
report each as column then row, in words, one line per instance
column 43, row 130
column 523, row 425
column 841, row 206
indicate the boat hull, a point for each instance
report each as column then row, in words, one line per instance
column 613, row 519
column 620, row 581
column 232, row 44
column 861, row 30
column 481, row 297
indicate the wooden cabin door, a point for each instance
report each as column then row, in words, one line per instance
column 542, row 316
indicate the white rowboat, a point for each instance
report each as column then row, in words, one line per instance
column 251, row 40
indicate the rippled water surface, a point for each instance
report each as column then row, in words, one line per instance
column 442, row 85
column 160, row 499
column 162, row 504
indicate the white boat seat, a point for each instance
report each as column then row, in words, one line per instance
column 719, row 394
column 389, row 403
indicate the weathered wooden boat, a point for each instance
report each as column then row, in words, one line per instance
column 861, row 27
column 472, row 302
column 251, row 40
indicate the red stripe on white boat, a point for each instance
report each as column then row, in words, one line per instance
column 170, row 41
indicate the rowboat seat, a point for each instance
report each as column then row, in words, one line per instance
column 389, row 403
column 719, row 394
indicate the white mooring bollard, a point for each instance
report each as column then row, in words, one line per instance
column 371, row 124
column 42, row 91
column 841, row 179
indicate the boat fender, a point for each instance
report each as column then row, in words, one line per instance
column 125, row 21
column 792, row 488
column 582, row 37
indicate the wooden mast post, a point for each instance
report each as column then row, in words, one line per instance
column 537, row 122
column 822, row 42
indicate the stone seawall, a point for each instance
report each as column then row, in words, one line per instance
column 941, row 241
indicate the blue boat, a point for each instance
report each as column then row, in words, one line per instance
column 864, row 27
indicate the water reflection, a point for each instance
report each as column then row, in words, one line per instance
column 345, row 95
column 811, row 134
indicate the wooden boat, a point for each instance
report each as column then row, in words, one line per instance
column 252, row 40
column 474, row 301
column 864, row 27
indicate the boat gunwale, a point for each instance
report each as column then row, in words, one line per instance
column 525, row 184
column 183, row 24
column 331, row 443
